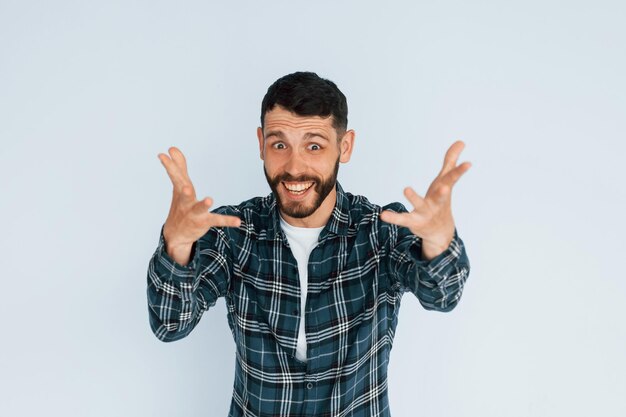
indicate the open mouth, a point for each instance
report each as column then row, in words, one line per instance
column 298, row 188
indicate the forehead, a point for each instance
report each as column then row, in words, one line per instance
column 281, row 118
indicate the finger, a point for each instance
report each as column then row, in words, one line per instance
column 214, row 219
column 452, row 155
column 183, row 187
column 172, row 171
column 400, row 219
column 222, row 220
column 179, row 159
column 415, row 199
column 202, row 206
column 453, row 176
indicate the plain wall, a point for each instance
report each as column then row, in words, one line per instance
column 91, row 92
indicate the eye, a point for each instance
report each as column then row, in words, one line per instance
column 278, row 145
column 314, row 147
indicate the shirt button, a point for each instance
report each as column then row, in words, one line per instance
column 309, row 385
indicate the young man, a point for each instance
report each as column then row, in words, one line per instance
column 312, row 275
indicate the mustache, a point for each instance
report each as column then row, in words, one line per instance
column 290, row 178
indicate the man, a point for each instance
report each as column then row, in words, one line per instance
column 312, row 275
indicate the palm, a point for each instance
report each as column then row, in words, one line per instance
column 188, row 219
column 431, row 217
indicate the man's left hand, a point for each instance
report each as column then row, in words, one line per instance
column 431, row 218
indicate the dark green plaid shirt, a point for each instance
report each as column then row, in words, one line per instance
column 358, row 273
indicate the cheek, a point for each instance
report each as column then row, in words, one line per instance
column 269, row 159
column 273, row 166
column 327, row 166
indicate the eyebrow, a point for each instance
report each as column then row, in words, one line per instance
column 308, row 135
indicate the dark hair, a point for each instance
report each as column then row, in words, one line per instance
column 306, row 94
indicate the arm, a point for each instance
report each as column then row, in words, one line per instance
column 179, row 291
column 179, row 294
column 427, row 255
column 437, row 283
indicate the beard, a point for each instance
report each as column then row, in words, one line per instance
column 299, row 209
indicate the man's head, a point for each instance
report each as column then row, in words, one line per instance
column 302, row 138
column 306, row 94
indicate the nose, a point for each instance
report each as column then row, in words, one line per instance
column 295, row 165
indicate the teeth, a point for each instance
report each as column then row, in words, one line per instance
column 299, row 186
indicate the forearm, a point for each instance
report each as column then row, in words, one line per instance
column 437, row 282
column 179, row 294
column 171, row 302
column 441, row 279
column 172, row 305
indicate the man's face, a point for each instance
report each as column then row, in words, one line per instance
column 301, row 157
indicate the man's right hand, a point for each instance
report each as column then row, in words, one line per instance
column 188, row 219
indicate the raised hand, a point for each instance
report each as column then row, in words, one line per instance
column 188, row 219
column 431, row 218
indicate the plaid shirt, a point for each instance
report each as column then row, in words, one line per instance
column 358, row 273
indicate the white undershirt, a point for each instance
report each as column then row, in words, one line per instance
column 302, row 240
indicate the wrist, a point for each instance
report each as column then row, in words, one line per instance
column 171, row 240
column 430, row 251
column 433, row 248
column 180, row 252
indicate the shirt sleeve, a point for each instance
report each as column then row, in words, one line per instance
column 179, row 294
column 438, row 283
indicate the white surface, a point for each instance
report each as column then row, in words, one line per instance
column 91, row 92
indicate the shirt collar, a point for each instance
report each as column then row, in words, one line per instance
column 337, row 223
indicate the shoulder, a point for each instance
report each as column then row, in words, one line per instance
column 255, row 214
column 361, row 209
column 254, row 206
column 365, row 217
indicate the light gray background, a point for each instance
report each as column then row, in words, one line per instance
column 91, row 92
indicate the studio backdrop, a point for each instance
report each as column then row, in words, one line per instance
column 92, row 92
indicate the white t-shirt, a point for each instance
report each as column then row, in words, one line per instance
column 302, row 240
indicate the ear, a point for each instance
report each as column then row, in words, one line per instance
column 346, row 145
column 259, row 134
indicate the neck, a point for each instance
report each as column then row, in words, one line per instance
column 319, row 217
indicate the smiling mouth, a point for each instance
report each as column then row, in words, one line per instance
column 298, row 188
